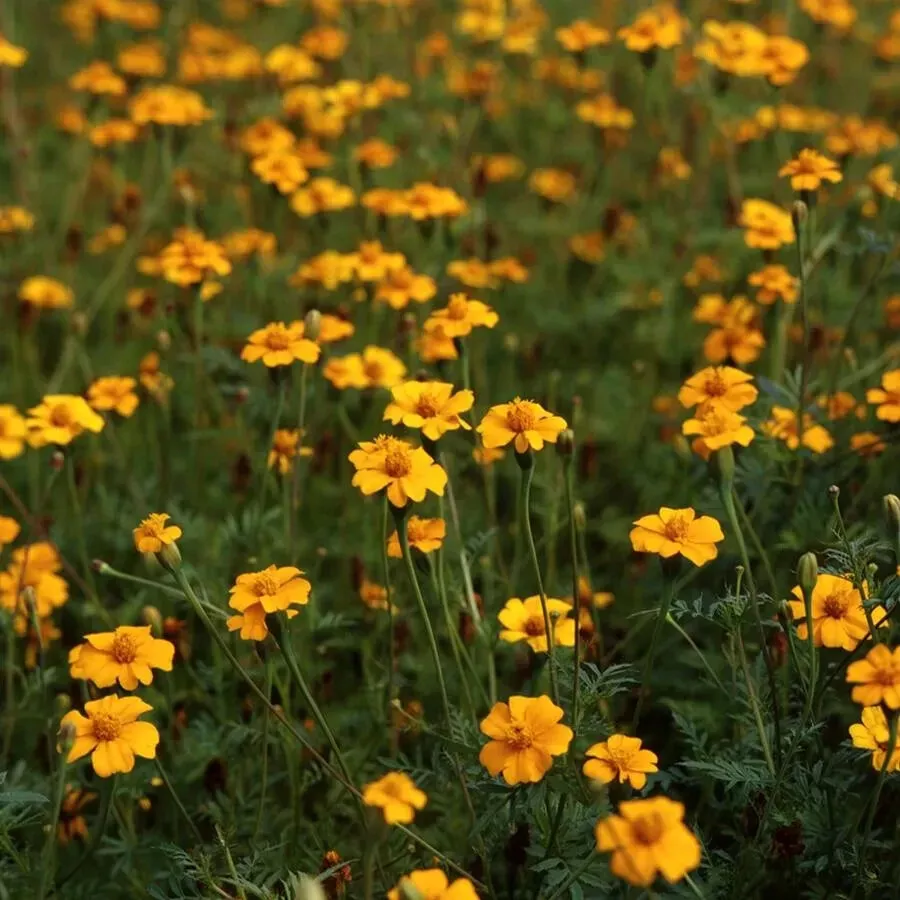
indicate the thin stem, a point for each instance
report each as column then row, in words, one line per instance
column 48, row 862
column 174, row 794
column 759, row 548
column 813, row 656
column 235, row 878
column 573, row 877
column 754, row 705
column 661, row 615
column 576, row 601
column 695, row 890
column 264, row 774
column 698, row 651
column 526, row 479
column 295, row 474
column 392, row 649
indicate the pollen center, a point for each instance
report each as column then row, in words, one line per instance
column 265, row 586
column 457, row 308
column 106, row 727
column 519, row 417
column 534, row 626
column 835, row 606
column 427, row 406
column 519, row 736
column 398, row 462
column 124, row 648
column 715, row 386
column 677, row 529
column 648, row 829
column 277, row 339
column 61, row 416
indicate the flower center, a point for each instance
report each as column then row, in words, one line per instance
column 61, row 416
column 534, row 626
column 106, row 727
column 835, row 606
column 648, row 829
column 265, row 586
column 427, row 406
column 124, row 648
column 398, row 462
column 520, row 418
column 519, row 736
column 374, row 371
column 277, row 339
column 677, row 529
column 457, row 308
column 153, row 526
column 715, row 386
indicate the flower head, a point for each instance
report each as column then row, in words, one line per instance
column 42, row 292
column 430, row 406
column 127, row 655
column 887, row 397
column 523, row 620
column 432, row 884
column 278, row 344
column 285, row 448
column 71, row 823
column 153, row 534
column 111, row 733
column 525, row 736
column 407, row 472
column 718, row 386
column 9, row 530
column 254, row 595
column 649, row 838
column 59, row 419
column 460, row 316
column 876, row 677
column 809, row 169
column 397, row 796
column 12, row 432
column 522, row 423
column 621, row 758
column 783, row 426
column 716, row 427
column 424, row 535
column 168, row 104
column 113, row 393
column 767, row 226
column 678, row 531
column 774, row 282
column 874, row 734
column 374, row 367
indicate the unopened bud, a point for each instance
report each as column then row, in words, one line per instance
column 312, row 325
column 565, row 443
column 67, row 736
column 580, row 517
column 808, row 573
column 57, row 460
column 79, row 323
column 63, row 703
column 834, row 492
column 306, row 888
column 891, row 504
column 170, row 556
column 408, row 891
column 152, row 617
column 163, row 340
column 799, row 214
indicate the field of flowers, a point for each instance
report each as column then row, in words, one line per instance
column 447, row 449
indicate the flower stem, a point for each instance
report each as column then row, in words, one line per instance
column 392, row 649
column 698, row 651
column 754, row 705
column 264, row 773
column 174, row 794
column 295, row 473
column 526, row 479
column 48, row 863
column 576, row 602
column 573, row 877
column 96, row 833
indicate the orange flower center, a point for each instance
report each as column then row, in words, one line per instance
column 428, row 406
column 398, row 462
column 534, row 625
column 61, row 416
column 887, row 676
column 648, row 829
column 153, row 526
column 277, row 339
column 265, row 586
column 677, row 529
column 457, row 308
column 374, row 370
column 105, row 726
column 715, row 386
column 520, row 417
column 124, row 648
column 519, row 736
column 835, row 606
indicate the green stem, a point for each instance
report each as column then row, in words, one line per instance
column 576, row 601
column 754, row 705
column 759, row 548
column 699, row 653
column 525, row 494
column 695, row 890
column 573, row 877
column 392, row 649
column 661, row 615
column 813, row 657
column 235, row 878
column 174, row 794
column 48, row 862
column 264, row 774
column 295, row 474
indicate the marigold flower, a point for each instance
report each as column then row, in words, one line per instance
column 472, row 273
column 278, row 344
column 460, row 316
column 266, row 135
column 429, row 201
column 432, row 884
column 113, row 393
column 372, row 262
column 11, row 56
column 12, row 432
column 621, row 758
column 375, row 596
column 397, row 796
column 45, row 293
column 874, row 734
column 424, row 535
column 127, row 655
column 740, row 343
column 9, row 530
column 589, row 247
column 876, row 677
column 497, row 167
column 839, row 619
column 525, row 736
column 604, row 112
column 767, row 226
column 145, row 59
column 587, row 597
column 167, row 104
column 15, row 218
column 111, row 733
column 809, row 169
column 649, row 838
column 523, row 620
column 282, row 168
column 716, row 427
column 887, row 397
column 375, row 367
column 674, row 532
column 98, row 77
column 407, row 472
column 867, row 443
column 430, row 406
column 285, row 448
column 256, row 594
column 553, row 184
column 774, row 282
column 71, row 823
column 582, row 34
column 782, row 426
column 782, row 58
column 330, row 269
column 402, row 285
column 153, row 534
column 718, row 385
column 59, row 419
column 190, row 258
column 375, row 153
column 659, row 26
column 839, row 405
column 840, row 14
column 321, row 195
column 524, row 423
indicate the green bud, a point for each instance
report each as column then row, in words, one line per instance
column 565, row 443
column 408, row 891
column 891, row 503
column 312, row 325
column 306, row 888
column 170, row 556
column 808, row 573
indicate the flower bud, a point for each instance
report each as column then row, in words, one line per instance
column 580, row 517
column 807, row 573
column 163, row 340
column 63, row 703
column 170, row 556
column 79, row 323
column 66, row 737
column 153, row 618
column 891, row 503
column 408, row 891
column 799, row 214
column 565, row 443
column 57, row 460
column 312, row 325
column 306, row 888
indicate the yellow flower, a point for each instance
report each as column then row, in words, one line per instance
column 15, row 218
column 659, row 26
column 523, row 423
column 581, row 34
column 887, row 397
column 877, row 677
column 783, row 427
column 33, row 566
column 59, row 419
column 716, row 427
column 407, row 472
column 372, row 262
column 553, row 184
column 281, row 168
column 321, row 195
column 472, row 273
column 767, row 226
column 432, row 884
column 374, row 595
column 190, row 258
column 71, row 823
column 329, row 269
column 113, row 393
column 487, row 456
column 774, row 281
column 720, row 386
column 497, row 167
column 153, row 534
column 375, row 367
column 460, row 316
column 167, row 104
column 809, row 169
column 45, row 293
column 873, row 733
column 285, row 448
column 98, row 77
column 398, row 287
column 424, row 535
column 523, row 620
column 266, row 136
column 674, row 532
column 375, row 153
column 589, row 247
column 146, row 59
column 111, row 733
column 278, row 344
column 525, row 736
column 838, row 617
column 254, row 595
column 9, row 530
column 647, row 838
column 867, row 443
column 841, row 14
column 397, row 796
column 11, row 56
column 12, row 432
column 620, row 757
column 604, row 112
column 127, row 655
column 430, row 406
column 587, row 597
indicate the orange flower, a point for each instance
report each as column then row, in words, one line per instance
column 621, row 758
column 9, row 530
column 553, row 184
column 717, row 427
column 809, row 169
column 523, row 423
column 190, row 258
column 424, row 535
column 523, row 620
column 45, row 293
column 874, row 734
column 113, row 393
column 430, row 406
column 674, row 532
column 167, row 104
column 876, row 677
column 767, row 227
column 127, row 655
column 153, row 534
column 460, row 316
column 278, row 344
column 98, row 77
column 12, row 432
column 59, row 419
column 375, row 367
column 718, row 385
column 254, row 595
column 322, row 195
column 407, row 472
column 774, row 281
column 282, row 168
column 783, row 427
column 397, row 796
column 400, row 286
column 373, row 263
column 887, row 397
column 581, row 34
column 659, row 26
